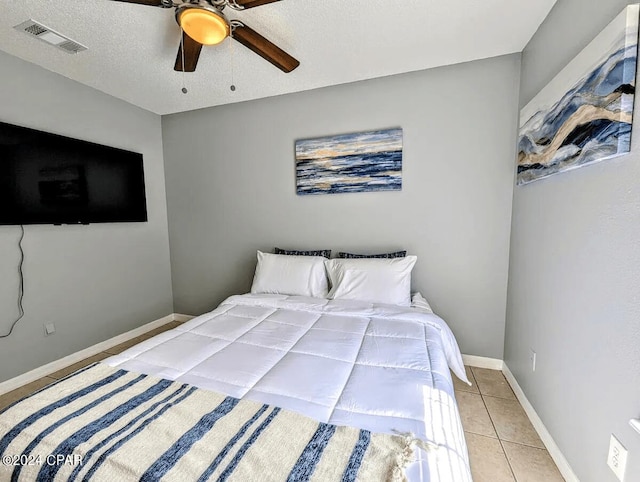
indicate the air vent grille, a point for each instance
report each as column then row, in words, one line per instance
column 50, row 36
column 35, row 29
column 71, row 46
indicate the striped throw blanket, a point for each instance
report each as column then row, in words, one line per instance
column 107, row 424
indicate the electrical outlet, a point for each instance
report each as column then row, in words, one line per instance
column 49, row 329
column 617, row 458
column 532, row 359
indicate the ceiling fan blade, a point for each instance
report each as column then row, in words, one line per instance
column 244, row 4
column 191, row 54
column 152, row 3
column 264, row 48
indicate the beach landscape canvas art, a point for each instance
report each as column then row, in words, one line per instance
column 585, row 113
column 361, row 162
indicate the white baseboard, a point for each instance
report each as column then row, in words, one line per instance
column 182, row 318
column 557, row 456
column 483, row 362
column 54, row 366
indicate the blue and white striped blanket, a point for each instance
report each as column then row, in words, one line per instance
column 102, row 423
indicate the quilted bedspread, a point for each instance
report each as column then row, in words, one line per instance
column 381, row 368
column 108, row 424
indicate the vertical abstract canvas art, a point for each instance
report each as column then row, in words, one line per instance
column 366, row 161
column 585, row 113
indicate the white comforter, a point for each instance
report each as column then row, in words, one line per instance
column 378, row 367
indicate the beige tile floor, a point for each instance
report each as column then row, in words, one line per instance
column 17, row 394
column 503, row 445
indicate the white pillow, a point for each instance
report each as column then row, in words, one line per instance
column 372, row 279
column 290, row 275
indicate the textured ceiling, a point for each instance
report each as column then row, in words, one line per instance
column 132, row 48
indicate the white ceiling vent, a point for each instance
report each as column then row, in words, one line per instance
column 50, row 36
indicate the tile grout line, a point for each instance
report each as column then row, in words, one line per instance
column 519, row 404
column 496, row 430
column 503, row 441
column 504, row 451
column 511, row 441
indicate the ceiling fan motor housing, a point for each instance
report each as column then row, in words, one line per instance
column 203, row 22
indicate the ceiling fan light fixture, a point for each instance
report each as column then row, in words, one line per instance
column 207, row 26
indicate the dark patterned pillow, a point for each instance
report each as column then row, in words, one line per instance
column 397, row 254
column 292, row 252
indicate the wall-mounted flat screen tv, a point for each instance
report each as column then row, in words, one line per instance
column 51, row 179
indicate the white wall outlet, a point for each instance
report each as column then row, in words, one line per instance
column 532, row 359
column 617, row 458
column 49, row 329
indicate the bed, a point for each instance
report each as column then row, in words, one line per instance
column 379, row 368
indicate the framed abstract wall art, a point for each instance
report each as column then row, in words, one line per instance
column 361, row 162
column 585, row 113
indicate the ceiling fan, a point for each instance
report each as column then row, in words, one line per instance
column 203, row 23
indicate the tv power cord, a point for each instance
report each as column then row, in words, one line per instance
column 21, row 286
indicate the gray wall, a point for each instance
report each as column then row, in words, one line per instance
column 231, row 189
column 95, row 281
column 574, row 276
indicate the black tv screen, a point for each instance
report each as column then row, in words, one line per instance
column 51, row 179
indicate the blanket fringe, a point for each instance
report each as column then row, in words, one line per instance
column 414, row 441
column 407, row 455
